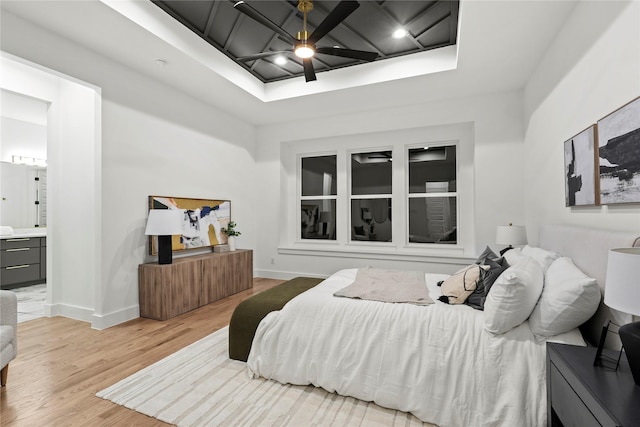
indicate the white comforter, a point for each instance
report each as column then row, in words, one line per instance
column 434, row 361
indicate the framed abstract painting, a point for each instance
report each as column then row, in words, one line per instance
column 580, row 169
column 202, row 222
column 619, row 155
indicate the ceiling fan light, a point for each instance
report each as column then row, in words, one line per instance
column 304, row 51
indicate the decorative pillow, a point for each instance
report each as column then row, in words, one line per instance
column 569, row 299
column 543, row 257
column 487, row 253
column 513, row 296
column 487, row 278
column 457, row 287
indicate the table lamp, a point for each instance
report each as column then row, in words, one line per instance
column 511, row 235
column 164, row 223
column 622, row 293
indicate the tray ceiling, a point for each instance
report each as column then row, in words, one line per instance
column 429, row 24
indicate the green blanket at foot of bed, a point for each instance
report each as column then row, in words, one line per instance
column 248, row 314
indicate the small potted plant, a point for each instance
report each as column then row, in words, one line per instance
column 231, row 233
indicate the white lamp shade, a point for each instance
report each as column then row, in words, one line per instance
column 622, row 291
column 511, row 235
column 164, row 222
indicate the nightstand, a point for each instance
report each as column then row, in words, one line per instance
column 580, row 394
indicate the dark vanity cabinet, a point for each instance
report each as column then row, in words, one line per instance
column 23, row 261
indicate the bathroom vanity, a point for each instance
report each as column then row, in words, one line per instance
column 23, row 258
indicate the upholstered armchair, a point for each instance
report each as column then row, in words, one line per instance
column 8, row 331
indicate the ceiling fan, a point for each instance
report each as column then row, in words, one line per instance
column 304, row 45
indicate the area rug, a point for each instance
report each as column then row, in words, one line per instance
column 200, row 386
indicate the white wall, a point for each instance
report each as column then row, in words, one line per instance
column 592, row 69
column 20, row 138
column 155, row 141
column 497, row 126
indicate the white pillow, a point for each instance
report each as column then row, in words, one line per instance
column 543, row 257
column 513, row 256
column 569, row 299
column 513, row 296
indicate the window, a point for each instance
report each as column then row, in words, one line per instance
column 380, row 193
column 433, row 196
column 371, row 190
column 318, row 198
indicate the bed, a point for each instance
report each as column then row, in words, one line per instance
column 438, row 361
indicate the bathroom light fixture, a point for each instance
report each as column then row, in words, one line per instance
column 29, row 161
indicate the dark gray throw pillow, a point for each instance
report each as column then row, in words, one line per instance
column 487, row 253
column 487, row 278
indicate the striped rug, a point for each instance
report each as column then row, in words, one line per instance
column 200, row 386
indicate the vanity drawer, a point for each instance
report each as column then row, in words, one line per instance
column 20, row 242
column 18, row 274
column 20, row 256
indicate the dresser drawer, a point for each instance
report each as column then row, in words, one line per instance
column 20, row 242
column 18, row 274
column 569, row 408
column 19, row 256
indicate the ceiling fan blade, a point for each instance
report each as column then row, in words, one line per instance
column 259, row 17
column 348, row 53
column 309, row 72
column 261, row 55
column 335, row 17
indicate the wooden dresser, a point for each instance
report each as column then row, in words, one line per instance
column 168, row 290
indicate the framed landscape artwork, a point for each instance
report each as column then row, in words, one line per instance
column 619, row 155
column 580, row 169
column 202, row 223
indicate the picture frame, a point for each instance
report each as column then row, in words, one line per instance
column 601, row 359
column 202, row 225
column 582, row 183
column 619, row 155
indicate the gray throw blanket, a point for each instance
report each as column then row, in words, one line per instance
column 388, row 286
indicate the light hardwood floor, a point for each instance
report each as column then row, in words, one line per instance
column 63, row 363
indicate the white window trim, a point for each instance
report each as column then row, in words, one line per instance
column 341, row 146
column 300, row 197
column 351, row 196
column 408, row 195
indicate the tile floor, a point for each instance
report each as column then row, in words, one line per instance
column 31, row 301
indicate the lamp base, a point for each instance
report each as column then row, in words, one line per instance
column 630, row 337
column 165, row 251
column 505, row 250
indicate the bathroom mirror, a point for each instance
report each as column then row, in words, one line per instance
column 23, row 195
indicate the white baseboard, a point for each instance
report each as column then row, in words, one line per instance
column 97, row 321
column 108, row 320
column 71, row 311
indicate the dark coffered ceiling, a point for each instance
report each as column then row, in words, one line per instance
column 430, row 25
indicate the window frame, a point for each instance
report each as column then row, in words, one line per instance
column 341, row 145
column 350, row 196
column 301, row 198
column 408, row 195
